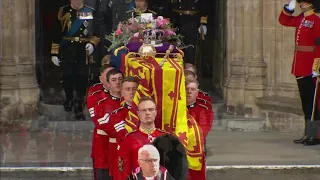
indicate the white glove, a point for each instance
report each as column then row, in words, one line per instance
column 55, row 60
column 292, row 5
column 204, row 28
column 89, row 47
column 314, row 74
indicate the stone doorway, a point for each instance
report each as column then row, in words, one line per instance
column 214, row 66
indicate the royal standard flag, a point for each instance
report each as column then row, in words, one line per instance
column 166, row 84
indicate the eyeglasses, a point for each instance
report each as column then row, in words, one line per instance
column 150, row 160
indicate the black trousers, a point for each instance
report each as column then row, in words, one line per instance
column 306, row 87
column 101, row 174
column 75, row 72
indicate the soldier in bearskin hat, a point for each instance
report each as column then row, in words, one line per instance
column 307, row 50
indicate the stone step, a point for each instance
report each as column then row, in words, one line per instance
column 239, row 123
column 213, row 173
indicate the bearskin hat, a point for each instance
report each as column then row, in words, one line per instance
column 173, row 156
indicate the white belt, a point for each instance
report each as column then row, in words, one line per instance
column 112, row 140
column 101, row 132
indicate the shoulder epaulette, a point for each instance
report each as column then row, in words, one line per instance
column 201, row 105
column 116, row 110
column 64, row 6
column 131, row 132
column 163, row 131
column 96, row 84
column 95, row 92
column 203, row 100
column 130, row 11
column 89, row 7
column 101, row 100
column 204, row 92
column 152, row 11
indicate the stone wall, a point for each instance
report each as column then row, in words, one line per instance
column 18, row 87
column 259, row 56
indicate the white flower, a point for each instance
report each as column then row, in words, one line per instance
column 160, row 18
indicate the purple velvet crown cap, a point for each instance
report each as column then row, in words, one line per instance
column 134, row 47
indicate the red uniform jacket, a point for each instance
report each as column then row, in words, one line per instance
column 204, row 102
column 100, row 113
column 205, row 96
column 115, row 128
column 163, row 174
column 95, row 87
column 128, row 152
column 307, row 35
column 203, row 115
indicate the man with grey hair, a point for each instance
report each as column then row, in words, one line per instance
column 149, row 166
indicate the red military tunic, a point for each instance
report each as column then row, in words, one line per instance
column 115, row 128
column 100, row 113
column 203, row 115
column 128, row 152
column 92, row 100
column 95, row 87
column 204, row 102
column 205, row 96
column 307, row 40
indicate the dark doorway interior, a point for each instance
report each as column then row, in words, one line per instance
column 214, row 51
column 48, row 75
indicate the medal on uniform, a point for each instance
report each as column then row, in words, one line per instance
column 85, row 32
column 85, row 23
column 110, row 3
column 85, row 15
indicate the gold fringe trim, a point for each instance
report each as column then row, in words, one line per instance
column 95, row 41
column 316, row 65
column 204, row 20
column 105, row 60
column 55, row 48
column 65, row 20
column 119, row 49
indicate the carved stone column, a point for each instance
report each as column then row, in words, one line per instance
column 18, row 88
column 236, row 81
column 256, row 80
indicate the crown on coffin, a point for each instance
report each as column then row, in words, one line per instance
column 153, row 36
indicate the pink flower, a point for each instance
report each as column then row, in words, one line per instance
column 162, row 22
column 136, row 34
column 118, row 32
column 169, row 32
column 160, row 17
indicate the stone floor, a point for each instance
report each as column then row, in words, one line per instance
column 72, row 148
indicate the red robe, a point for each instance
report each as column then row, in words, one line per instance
column 128, row 152
column 203, row 115
column 307, row 34
column 163, row 174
